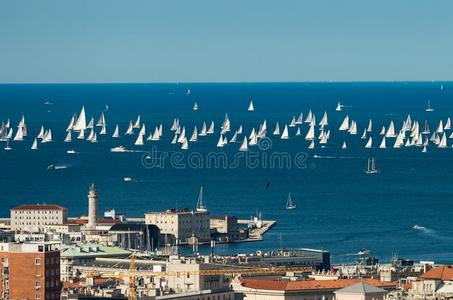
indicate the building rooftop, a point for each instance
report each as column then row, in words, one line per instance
column 440, row 273
column 286, row 285
column 91, row 250
column 39, row 207
column 361, row 288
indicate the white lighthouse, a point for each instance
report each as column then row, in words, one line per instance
column 92, row 207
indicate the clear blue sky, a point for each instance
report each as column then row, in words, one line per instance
column 247, row 40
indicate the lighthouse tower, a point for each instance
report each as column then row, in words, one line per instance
column 92, row 207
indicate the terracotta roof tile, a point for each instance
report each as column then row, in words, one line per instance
column 39, row 206
column 285, row 285
column 439, row 273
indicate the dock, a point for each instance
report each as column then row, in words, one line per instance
column 257, row 234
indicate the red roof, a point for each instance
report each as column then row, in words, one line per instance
column 286, row 285
column 440, row 273
column 39, row 207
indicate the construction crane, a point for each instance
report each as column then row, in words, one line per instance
column 132, row 275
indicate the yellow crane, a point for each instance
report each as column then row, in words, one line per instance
column 133, row 274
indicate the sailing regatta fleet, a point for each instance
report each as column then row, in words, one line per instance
column 411, row 133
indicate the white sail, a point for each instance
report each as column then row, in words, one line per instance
column 363, row 137
column 370, row 126
column 101, row 120
column 244, row 145
column 251, row 107
column 71, row 123
column 137, row 122
column 369, row 144
column 285, row 135
column 194, row 136
column 90, row 135
column 19, row 134
column 424, row 149
column 310, row 134
column 184, row 144
column 443, row 141
column 34, row 146
column 203, row 131
column 383, row 144
column 10, row 134
column 156, row 135
column 429, row 108
column 201, row 207
column 426, row 128
column 312, row 145
column 447, row 124
column 68, row 137
column 182, row 136
column 139, row 140
column 382, row 131
column 289, row 203
column 239, row 131
column 211, row 128
column 339, row 106
column 344, row 146
column 345, row 124
column 195, row 106
column 253, row 139
column 391, row 130
column 234, row 138
column 81, row 121
column 298, row 133
column 130, row 129
column 293, row 122
column 7, row 146
column 41, row 132
column 161, row 130
column 175, row 124
column 277, row 129
column 353, row 128
column 103, row 130
column 116, row 132
column 47, row 136
column 309, row 118
column 324, row 120
column 440, row 128
column 175, row 139
column 220, row 143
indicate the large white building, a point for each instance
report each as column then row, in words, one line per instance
column 181, row 224
column 33, row 217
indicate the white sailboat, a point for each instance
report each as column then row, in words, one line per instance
column 244, row 145
column 203, row 131
column 310, row 134
column 7, row 146
column 300, row 119
column 339, row 107
column 309, row 117
column 195, row 106
column 139, row 140
column 369, row 144
column 34, row 146
column 298, row 133
column 312, row 145
column 345, row 124
column 91, row 123
column 234, row 138
column 371, row 169
column 95, row 138
column 101, row 120
column 324, row 120
column 130, row 129
column 90, row 135
column 47, row 136
column 201, row 207
column 391, row 130
column 116, row 132
column 182, row 136
column 220, row 143
column 277, row 129
column 71, row 123
column 447, row 124
column 19, row 134
column 156, row 134
column 370, row 126
column 383, row 144
column 211, row 128
column 239, row 131
column 251, row 107
column 81, row 134
column 289, row 203
column 429, row 108
column 137, row 122
column 285, row 135
column 382, row 131
column 363, row 137
column 68, row 137
column 344, row 146
column 353, row 128
column 184, row 144
column 443, row 141
column 175, row 139
column 426, row 128
column 41, row 132
column 194, row 136
column 293, row 122
column 440, row 128
column 80, row 124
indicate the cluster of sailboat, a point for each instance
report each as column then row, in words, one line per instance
column 411, row 133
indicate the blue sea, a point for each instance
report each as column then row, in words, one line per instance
column 339, row 207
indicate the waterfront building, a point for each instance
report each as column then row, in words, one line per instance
column 30, row 271
column 33, row 217
column 224, row 228
column 181, row 224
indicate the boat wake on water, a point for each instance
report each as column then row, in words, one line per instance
column 422, row 229
column 57, row 167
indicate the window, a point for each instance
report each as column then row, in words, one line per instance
column 37, row 284
column 37, row 296
column 37, row 261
